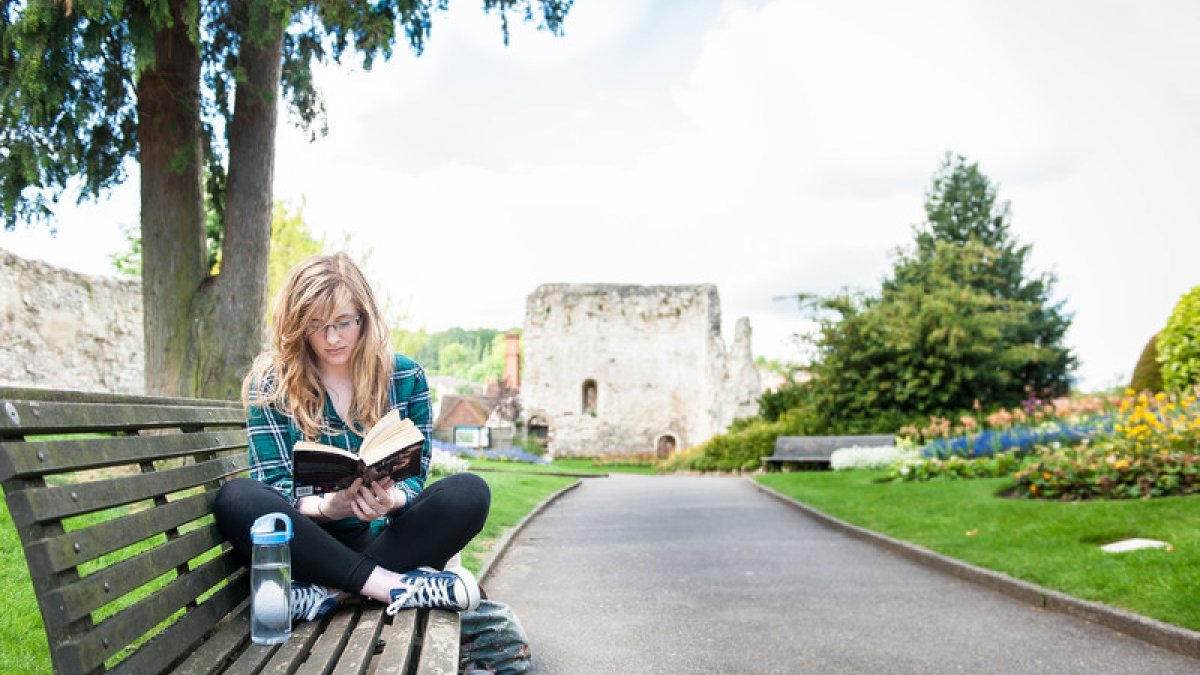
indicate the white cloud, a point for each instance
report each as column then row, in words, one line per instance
column 768, row 147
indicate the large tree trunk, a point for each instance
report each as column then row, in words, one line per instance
column 230, row 312
column 174, row 259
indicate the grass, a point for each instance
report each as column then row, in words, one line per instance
column 513, row 496
column 1054, row 544
column 22, row 637
column 575, row 465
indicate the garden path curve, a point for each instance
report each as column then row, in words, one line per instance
column 692, row 574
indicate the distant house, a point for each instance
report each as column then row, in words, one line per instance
column 463, row 418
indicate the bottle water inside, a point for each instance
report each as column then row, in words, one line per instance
column 271, row 615
column 271, row 580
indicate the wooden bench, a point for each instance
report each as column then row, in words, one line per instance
column 816, row 451
column 130, row 572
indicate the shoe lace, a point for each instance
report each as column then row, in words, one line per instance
column 424, row 591
column 306, row 601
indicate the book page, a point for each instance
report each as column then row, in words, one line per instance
column 398, row 434
column 310, row 446
column 384, row 427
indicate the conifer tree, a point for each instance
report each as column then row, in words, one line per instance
column 190, row 89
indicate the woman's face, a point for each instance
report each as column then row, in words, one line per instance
column 333, row 341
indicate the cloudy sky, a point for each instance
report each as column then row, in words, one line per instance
column 769, row 147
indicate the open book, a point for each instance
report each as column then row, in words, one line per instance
column 391, row 448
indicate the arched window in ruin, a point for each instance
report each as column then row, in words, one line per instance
column 589, row 397
column 665, row 446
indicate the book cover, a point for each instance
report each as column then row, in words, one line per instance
column 391, row 448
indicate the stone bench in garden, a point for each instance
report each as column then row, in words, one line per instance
column 112, row 497
column 816, row 451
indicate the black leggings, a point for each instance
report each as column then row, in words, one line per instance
column 439, row 523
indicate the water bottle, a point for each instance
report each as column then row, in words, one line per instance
column 271, row 580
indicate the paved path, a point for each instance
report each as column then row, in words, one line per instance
column 642, row 574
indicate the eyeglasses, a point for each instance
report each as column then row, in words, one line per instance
column 338, row 327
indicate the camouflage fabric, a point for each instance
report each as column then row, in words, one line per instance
column 493, row 641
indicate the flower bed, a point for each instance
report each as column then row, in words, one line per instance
column 509, row 454
column 866, row 458
column 954, row 467
column 1154, row 451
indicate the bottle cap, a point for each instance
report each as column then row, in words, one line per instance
column 264, row 531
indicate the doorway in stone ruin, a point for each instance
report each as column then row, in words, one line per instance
column 665, row 446
column 538, row 428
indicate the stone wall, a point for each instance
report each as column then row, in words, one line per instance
column 65, row 330
column 654, row 357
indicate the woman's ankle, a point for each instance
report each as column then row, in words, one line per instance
column 380, row 584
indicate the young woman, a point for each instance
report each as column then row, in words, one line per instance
column 329, row 377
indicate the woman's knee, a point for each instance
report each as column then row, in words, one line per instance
column 463, row 494
column 472, row 491
column 239, row 497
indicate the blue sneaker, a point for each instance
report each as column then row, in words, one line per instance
column 310, row 601
column 454, row 589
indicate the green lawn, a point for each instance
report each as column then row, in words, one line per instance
column 22, row 638
column 574, row 465
column 1054, row 544
column 513, row 496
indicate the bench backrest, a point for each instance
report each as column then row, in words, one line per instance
column 818, row 448
column 116, row 524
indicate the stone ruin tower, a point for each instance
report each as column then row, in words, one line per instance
column 632, row 370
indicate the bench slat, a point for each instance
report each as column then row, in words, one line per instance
column 324, row 653
column 58, row 553
column 24, row 460
column 360, row 648
column 252, row 659
column 290, row 654
column 439, row 647
column 36, row 505
column 399, row 636
column 216, row 651
column 821, row 447
column 229, row 604
column 54, row 417
column 74, row 396
column 90, row 650
column 76, row 600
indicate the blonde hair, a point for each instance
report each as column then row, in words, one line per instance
column 287, row 376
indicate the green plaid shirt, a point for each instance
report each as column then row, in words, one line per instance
column 272, row 433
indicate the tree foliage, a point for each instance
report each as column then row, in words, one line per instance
column 292, row 240
column 959, row 320
column 476, row 355
column 1179, row 343
column 189, row 89
column 1147, row 374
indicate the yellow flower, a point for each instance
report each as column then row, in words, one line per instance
column 1033, row 489
column 1122, row 464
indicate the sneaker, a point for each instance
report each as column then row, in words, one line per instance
column 454, row 589
column 310, row 601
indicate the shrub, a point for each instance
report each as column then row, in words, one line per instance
column 1147, row 374
column 1179, row 343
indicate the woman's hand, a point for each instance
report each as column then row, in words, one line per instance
column 364, row 502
